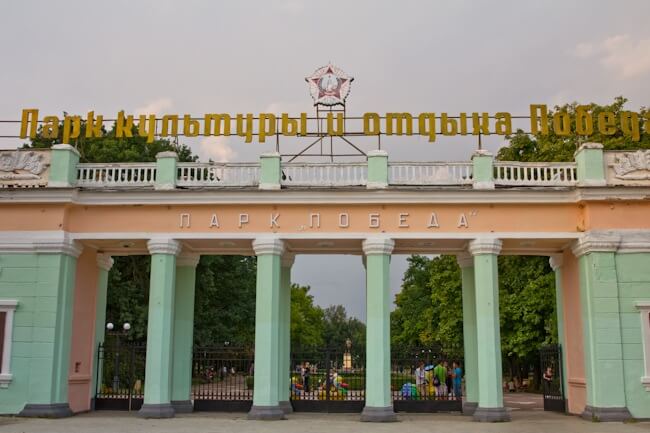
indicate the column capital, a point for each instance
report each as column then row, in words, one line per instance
column 104, row 261
column 378, row 245
column 288, row 259
column 485, row 246
column 596, row 241
column 556, row 261
column 164, row 246
column 268, row 245
column 189, row 260
column 464, row 260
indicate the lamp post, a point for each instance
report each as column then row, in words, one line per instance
column 116, row 369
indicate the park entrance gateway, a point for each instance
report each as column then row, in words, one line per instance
column 64, row 220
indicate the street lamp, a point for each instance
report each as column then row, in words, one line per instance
column 116, row 373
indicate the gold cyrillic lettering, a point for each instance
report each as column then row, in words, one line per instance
column 190, row 126
column 50, row 127
column 562, row 123
column 94, row 127
column 263, row 131
column 289, row 127
column 69, row 122
column 538, row 121
column 166, row 121
column 245, row 129
column 427, row 125
column 480, row 125
column 403, row 121
column 33, row 123
column 124, row 126
column 584, row 120
column 503, row 124
column 219, row 120
column 375, row 128
column 448, row 126
column 147, row 127
column 630, row 125
column 340, row 124
column 606, row 123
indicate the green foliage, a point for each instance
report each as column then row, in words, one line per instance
column 224, row 308
column 553, row 147
column 338, row 327
column 306, row 320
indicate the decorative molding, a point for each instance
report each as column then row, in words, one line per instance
column 377, row 152
column 627, row 165
column 485, row 246
column 167, row 154
column 8, row 306
column 67, row 147
column 644, row 309
column 190, row 260
column 40, row 242
column 288, row 259
column 24, row 167
column 596, row 241
column 268, row 245
column 164, row 246
column 481, row 152
column 589, row 146
column 556, row 261
column 465, row 260
column 270, row 155
column 105, row 262
column 378, row 245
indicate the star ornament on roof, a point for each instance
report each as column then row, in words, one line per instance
column 329, row 85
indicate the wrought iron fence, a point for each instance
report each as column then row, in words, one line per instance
column 552, row 382
column 328, row 381
column 222, row 379
column 425, row 380
column 120, row 375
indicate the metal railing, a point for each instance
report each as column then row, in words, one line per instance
column 196, row 174
column 327, row 174
column 535, row 173
column 430, row 173
column 123, row 174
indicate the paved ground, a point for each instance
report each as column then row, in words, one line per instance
column 524, row 421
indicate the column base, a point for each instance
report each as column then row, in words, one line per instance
column 286, row 407
column 182, row 406
column 606, row 414
column 54, row 410
column 469, row 407
column 163, row 410
column 378, row 414
column 266, row 413
column 491, row 414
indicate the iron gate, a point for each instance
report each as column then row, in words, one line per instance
column 222, row 379
column 552, row 379
column 328, row 381
column 120, row 376
column 413, row 384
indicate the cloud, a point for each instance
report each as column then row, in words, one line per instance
column 216, row 148
column 293, row 7
column 627, row 57
column 157, row 106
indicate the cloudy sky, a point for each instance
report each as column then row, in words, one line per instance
column 252, row 56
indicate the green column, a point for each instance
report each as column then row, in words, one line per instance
column 160, row 327
column 379, row 404
column 63, row 168
column 267, row 330
column 181, row 399
column 601, row 327
column 104, row 265
column 482, row 170
column 284, row 366
column 590, row 165
column 51, row 338
column 270, row 171
column 486, row 281
column 166, row 163
column 466, row 263
column 556, row 264
column 377, row 169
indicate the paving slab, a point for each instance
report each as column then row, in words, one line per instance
column 121, row 422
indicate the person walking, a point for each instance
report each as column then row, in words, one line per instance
column 420, row 380
column 457, row 375
column 439, row 377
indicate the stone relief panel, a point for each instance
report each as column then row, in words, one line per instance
column 628, row 168
column 24, row 168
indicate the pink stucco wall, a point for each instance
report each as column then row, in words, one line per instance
column 573, row 347
column 83, row 331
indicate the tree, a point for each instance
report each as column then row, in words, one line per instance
column 553, row 147
column 338, row 327
column 306, row 320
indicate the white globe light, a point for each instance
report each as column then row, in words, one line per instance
column 109, row 326
column 127, row 326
